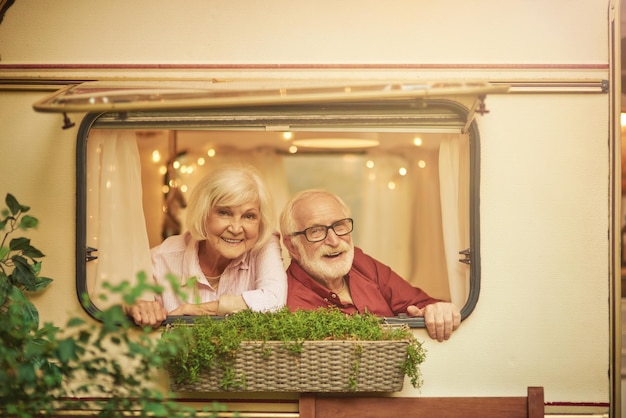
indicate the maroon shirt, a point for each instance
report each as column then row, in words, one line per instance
column 374, row 288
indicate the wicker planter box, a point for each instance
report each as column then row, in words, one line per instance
column 323, row 366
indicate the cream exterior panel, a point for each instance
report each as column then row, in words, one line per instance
column 543, row 314
column 37, row 166
column 320, row 32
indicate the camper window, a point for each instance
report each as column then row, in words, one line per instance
column 408, row 169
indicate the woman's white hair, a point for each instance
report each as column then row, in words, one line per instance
column 230, row 186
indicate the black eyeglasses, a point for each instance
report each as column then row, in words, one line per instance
column 319, row 232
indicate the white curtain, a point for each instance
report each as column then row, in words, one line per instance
column 115, row 219
column 382, row 221
column 454, row 184
column 418, row 223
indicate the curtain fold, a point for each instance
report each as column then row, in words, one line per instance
column 115, row 219
column 384, row 215
column 454, row 192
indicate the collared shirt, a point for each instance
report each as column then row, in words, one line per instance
column 374, row 288
column 258, row 277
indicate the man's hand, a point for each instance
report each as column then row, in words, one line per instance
column 441, row 318
column 146, row 313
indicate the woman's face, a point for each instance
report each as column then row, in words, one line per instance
column 233, row 230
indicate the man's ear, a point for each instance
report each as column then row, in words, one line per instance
column 293, row 253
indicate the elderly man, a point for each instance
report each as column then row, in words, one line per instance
column 327, row 270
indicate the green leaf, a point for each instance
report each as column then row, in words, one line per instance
column 28, row 222
column 67, row 350
column 21, row 307
column 4, row 252
column 33, row 252
column 36, row 268
column 26, row 373
column 5, row 288
column 23, row 274
column 41, row 283
column 19, row 244
column 75, row 322
column 13, row 204
column 157, row 410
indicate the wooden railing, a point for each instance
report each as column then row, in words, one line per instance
column 322, row 406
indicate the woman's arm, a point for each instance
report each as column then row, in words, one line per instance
column 270, row 281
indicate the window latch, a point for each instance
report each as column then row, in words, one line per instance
column 466, row 253
column 89, row 254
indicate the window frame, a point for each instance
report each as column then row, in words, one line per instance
column 377, row 112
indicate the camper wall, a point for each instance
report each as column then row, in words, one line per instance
column 543, row 314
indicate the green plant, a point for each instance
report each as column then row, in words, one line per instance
column 19, row 261
column 46, row 369
column 214, row 344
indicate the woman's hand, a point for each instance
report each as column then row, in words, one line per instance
column 146, row 313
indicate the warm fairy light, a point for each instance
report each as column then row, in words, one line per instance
column 421, row 164
column 369, row 164
column 402, row 171
column 184, row 188
column 391, row 185
column 211, row 153
column 287, row 136
column 201, row 161
column 293, row 149
column 417, row 141
column 156, row 156
column 162, row 170
column 165, row 189
column 176, row 164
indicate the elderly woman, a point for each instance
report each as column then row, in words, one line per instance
column 230, row 252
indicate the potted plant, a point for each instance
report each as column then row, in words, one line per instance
column 46, row 370
column 322, row 350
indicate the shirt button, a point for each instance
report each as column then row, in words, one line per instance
column 325, row 299
column 333, row 296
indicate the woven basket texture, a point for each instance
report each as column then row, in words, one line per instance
column 323, row 366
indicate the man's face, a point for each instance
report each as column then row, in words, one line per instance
column 331, row 258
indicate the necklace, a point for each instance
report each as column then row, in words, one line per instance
column 214, row 281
